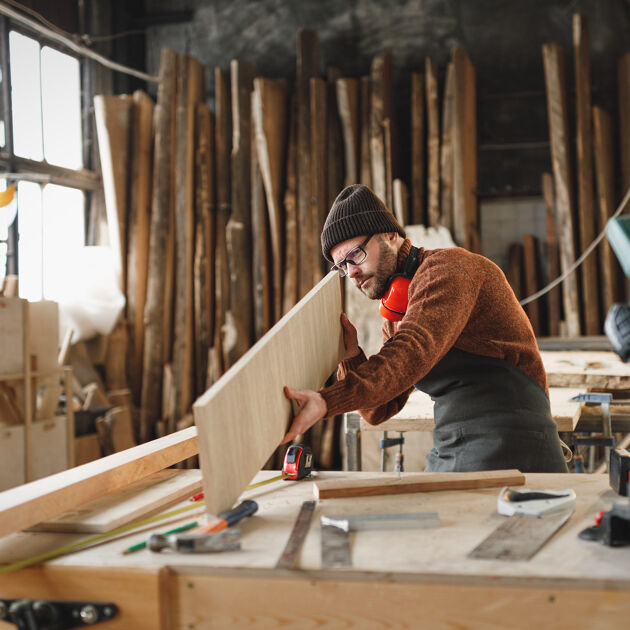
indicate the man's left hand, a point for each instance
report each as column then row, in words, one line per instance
column 312, row 408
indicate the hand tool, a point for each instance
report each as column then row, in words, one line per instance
column 177, row 530
column 298, row 464
column 231, row 517
column 297, row 536
column 335, row 545
column 535, row 503
column 364, row 522
column 226, row 540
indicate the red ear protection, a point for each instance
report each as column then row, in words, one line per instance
column 394, row 302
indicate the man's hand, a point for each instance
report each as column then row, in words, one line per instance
column 350, row 340
column 312, row 408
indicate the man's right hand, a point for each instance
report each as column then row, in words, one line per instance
column 350, row 339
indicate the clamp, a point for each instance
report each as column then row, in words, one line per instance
column 386, row 443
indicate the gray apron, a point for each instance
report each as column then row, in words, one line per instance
column 489, row 415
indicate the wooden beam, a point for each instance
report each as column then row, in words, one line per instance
column 335, row 170
column 401, row 202
column 348, row 103
column 113, row 126
column 223, row 151
column 205, row 242
column 446, row 151
column 307, row 68
column 465, row 150
column 319, row 194
column 530, row 257
column 433, row 144
column 365, row 169
column 189, row 94
column 380, row 110
column 584, row 143
column 303, row 348
column 270, row 121
column 150, row 409
column 417, row 149
column 552, row 267
column 424, row 482
column 557, row 111
column 603, row 151
column 138, row 242
column 46, row 498
column 291, row 232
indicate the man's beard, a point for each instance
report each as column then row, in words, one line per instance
column 378, row 281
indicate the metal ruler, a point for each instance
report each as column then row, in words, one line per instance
column 297, row 536
column 519, row 537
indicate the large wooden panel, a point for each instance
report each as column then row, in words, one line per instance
column 243, row 416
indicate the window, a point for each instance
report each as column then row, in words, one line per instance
column 45, row 115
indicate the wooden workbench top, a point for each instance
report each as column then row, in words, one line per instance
column 467, row 517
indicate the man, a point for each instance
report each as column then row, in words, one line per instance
column 464, row 340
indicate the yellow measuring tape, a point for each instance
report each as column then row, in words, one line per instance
column 60, row 551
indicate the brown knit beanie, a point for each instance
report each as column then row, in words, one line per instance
column 357, row 211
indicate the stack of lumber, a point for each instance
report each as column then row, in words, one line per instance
column 214, row 216
column 580, row 195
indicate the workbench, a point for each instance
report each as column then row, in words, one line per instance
column 402, row 578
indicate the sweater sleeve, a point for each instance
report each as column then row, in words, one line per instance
column 442, row 297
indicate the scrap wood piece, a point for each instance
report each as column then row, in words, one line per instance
column 603, row 150
column 115, row 430
column 348, row 104
column 582, row 368
column 623, row 91
column 365, row 158
column 154, row 317
column 270, row 112
column 417, row 149
column 584, row 169
column 381, row 106
column 319, row 170
column 127, row 505
column 422, row 482
column 239, row 226
column 465, row 150
column 301, row 350
column 557, row 112
column 532, row 275
column 552, row 267
column 433, row 150
column 334, row 142
column 113, row 126
column 43, row 499
column 307, row 68
column 446, row 151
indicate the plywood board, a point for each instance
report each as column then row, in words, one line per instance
column 586, row 369
column 243, row 416
column 40, row 500
column 421, row 482
column 137, row 501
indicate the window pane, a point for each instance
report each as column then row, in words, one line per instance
column 30, row 240
column 61, row 98
column 63, row 228
column 25, row 96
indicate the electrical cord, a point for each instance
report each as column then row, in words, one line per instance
column 620, row 209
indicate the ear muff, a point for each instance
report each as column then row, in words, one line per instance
column 394, row 303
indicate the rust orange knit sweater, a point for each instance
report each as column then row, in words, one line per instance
column 456, row 299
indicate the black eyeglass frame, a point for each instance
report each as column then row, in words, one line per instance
column 342, row 265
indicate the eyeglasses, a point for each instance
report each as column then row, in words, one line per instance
column 355, row 256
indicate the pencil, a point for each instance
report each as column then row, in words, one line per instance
column 143, row 544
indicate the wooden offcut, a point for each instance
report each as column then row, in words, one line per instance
column 433, row 144
column 584, row 145
column 401, row 202
column 242, row 418
column 307, row 68
column 46, row 498
column 151, row 395
column 446, row 151
column 319, row 169
column 380, row 110
column 422, row 482
column 552, row 267
column 348, row 103
column 417, row 149
column 334, row 167
column 605, row 179
column 530, row 258
column 291, row 232
column 465, row 209
column 270, row 123
column 365, row 159
column 557, row 112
